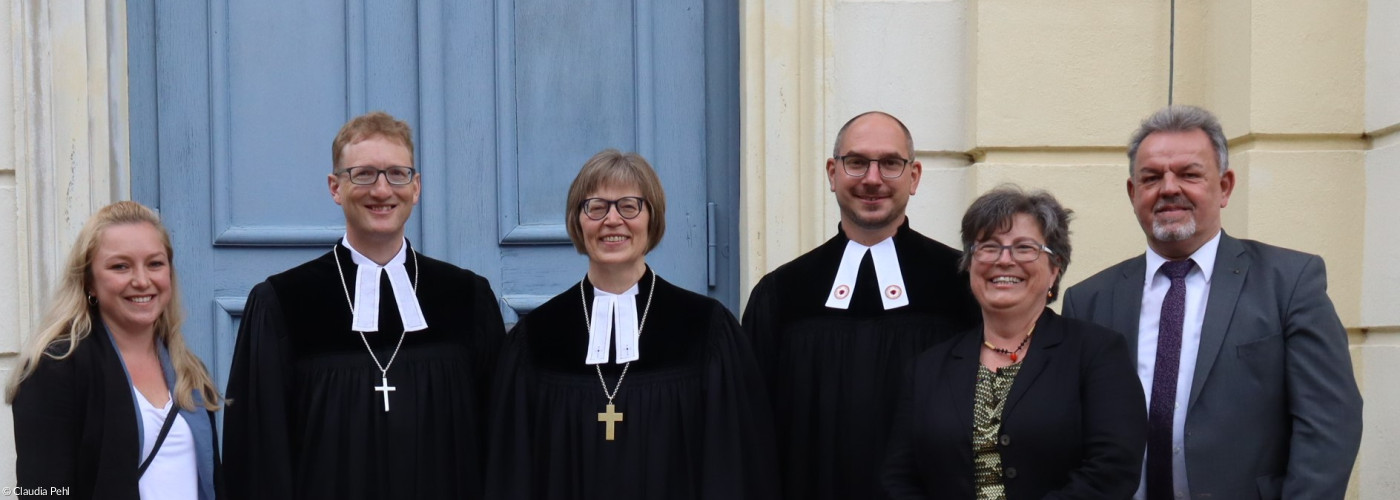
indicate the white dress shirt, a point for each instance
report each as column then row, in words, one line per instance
column 1154, row 291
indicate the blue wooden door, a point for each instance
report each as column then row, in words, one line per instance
column 234, row 104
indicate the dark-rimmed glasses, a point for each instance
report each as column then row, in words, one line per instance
column 629, row 207
column 857, row 166
column 1021, row 252
column 365, row 176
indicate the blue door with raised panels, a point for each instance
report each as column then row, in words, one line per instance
column 234, row 104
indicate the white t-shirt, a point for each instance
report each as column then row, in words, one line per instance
column 173, row 474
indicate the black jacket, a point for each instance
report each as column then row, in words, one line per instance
column 1074, row 424
column 75, row 424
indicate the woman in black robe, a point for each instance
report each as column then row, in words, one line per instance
column 677, row 410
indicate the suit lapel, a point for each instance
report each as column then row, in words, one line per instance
column 1049, row 333
column 1127, row 302
column 960, row 375
column 1231, row 268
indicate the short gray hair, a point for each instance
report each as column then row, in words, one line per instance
column 996, row 211
column 841, row 135
column 1181, row 118
column 613, row 168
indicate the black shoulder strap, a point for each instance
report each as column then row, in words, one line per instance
column 164, row 431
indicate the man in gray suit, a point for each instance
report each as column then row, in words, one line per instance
column 1245, row 363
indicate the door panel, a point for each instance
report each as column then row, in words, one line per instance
column 574, row 78
column 583, row 76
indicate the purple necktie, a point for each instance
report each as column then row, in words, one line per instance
column 1162, row 406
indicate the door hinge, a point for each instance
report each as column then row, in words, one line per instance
column 711, row 244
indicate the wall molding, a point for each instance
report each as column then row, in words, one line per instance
column 69, row 130
column 784, row 99
column 66, row 137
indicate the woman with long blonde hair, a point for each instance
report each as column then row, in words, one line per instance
column 108, row 401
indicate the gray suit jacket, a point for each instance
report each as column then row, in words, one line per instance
column 1274, row 409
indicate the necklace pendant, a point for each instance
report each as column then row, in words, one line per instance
column 609, row 417
column 1013, row 357
column 385, row 388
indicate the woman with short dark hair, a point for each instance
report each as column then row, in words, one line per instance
column 625, row 386
column 1027, row 405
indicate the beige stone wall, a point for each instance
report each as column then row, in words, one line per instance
column 1058, row 91
column 811, row 65
column 1045, row 94
column 1382, row 168
column 12, row 298
column 63, row 153
column 1377, row 351
column 859, row 83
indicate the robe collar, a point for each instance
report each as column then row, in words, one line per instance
column 893, row 293
column 615, row 317
column 366, row 311
column 607, row 307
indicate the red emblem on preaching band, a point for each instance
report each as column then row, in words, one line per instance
column 842, row 291
column 893, row 291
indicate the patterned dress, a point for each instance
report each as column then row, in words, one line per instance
column 988, row 403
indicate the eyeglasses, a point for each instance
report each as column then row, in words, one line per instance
column 1021, row 252
column 858, row 166
column 365, row 176
column 629, row 207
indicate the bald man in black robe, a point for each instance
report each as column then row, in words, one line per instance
column 835, row 328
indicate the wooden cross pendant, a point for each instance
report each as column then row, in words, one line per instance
column 609, row 417
column 385, row 388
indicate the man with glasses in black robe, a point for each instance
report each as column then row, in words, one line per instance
column 364, row 373
column 835, row 328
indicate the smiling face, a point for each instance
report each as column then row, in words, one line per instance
column 615, row 243
column 872, row 207
column 1008, row 285
column 131, row 278
column 1177, row 191
column 374, row 213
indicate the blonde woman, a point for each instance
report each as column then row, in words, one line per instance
column 109, row 402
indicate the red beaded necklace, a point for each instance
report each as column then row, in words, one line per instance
column 1014, row 355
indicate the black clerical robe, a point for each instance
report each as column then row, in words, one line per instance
column 696, row 420
column 304, row 418
column 835, row 374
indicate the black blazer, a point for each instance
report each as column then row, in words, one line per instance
column 1074, row 424
column 75, row 424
